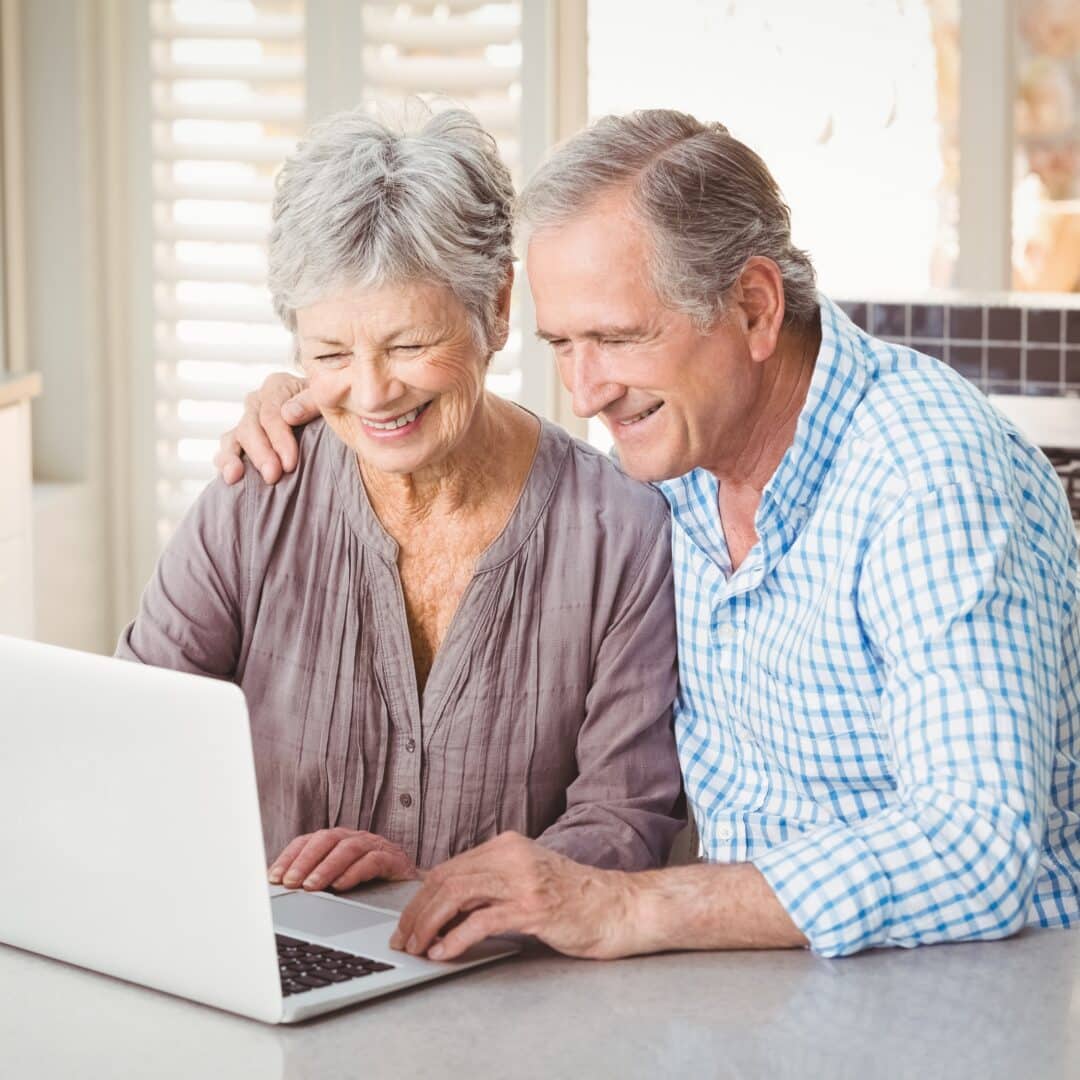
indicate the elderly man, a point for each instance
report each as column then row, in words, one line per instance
column 876, row 582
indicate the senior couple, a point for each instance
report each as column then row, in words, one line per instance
column 827, row 578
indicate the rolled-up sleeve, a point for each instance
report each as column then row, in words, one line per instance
column 189, row 617
column 625, row 806
column 968, row 622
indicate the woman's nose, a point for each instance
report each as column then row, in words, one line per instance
column 372, row 389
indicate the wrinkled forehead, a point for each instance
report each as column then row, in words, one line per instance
column 589, row 273
column 379, row 311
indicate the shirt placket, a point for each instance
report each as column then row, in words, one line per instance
column 404, row 767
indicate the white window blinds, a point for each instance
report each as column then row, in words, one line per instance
column 230, row 95
column 227, row 106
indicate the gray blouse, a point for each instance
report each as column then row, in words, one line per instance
column 548, row 706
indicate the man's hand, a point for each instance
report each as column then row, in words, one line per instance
column 339, row 859
column 511, row 884
column 265, row 430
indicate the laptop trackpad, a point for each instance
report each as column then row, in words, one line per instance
column 308, row 914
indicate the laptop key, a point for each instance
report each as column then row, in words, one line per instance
column 330, row 976
column 305, row 966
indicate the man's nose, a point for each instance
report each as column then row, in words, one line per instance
column 590, row 385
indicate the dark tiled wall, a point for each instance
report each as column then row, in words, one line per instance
column 1003, row 350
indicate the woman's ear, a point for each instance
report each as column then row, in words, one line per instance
column 501, row 330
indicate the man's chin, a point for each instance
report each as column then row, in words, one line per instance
column 648, row 468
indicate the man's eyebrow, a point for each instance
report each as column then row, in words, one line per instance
column 599, row 333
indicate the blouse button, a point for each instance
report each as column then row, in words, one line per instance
column 406, row 800
column 410, row 745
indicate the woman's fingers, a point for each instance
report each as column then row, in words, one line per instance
column 335, row 862
column 339, row 858
column 285, row 859
column 317, row 846
column 381, row 864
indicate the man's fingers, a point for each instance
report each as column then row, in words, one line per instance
column 278, row 431
column 437, row 903
column 284, row 860
column 316, row 848
column 252, row 438
column 481, row 924
column 301, row 407
column 227, row 459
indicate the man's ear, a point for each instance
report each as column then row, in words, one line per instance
column 759, row 292
column 501, row 330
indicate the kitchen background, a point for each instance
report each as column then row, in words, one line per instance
column 929, row 149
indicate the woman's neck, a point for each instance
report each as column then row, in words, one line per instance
column 491, row 460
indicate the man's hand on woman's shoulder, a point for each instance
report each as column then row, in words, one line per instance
column 264, row 432
column 339, row 859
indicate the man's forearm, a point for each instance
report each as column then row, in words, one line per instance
column 708, row 907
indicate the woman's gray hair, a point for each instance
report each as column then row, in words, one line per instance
column 709, row 202
column 360, row 202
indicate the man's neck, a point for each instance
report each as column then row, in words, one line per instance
column 761, row 442
column 755, row 451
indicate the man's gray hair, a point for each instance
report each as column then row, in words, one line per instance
column 709, row 202
column 360, row 202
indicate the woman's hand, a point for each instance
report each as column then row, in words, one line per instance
column 265, row 430
column 339, row 859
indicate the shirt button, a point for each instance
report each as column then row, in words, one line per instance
column 406, row 800
column 725, row 634
column 724, row 832
column 410, row 745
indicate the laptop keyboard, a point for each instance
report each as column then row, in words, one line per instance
column 305, row 966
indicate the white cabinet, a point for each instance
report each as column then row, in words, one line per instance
column 16, row 549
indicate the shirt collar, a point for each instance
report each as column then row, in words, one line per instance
column 842, row 371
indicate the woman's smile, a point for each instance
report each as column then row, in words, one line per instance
column 396, row 427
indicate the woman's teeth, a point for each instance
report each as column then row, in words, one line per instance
column 401, row 421
column 641, row 415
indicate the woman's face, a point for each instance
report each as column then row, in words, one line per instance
column 396, row 371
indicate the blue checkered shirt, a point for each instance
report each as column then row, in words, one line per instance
column 880, row 708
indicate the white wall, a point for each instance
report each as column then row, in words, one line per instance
column 63, row 322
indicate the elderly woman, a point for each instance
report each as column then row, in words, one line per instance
column 451, row 619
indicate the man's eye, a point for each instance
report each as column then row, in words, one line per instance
column 333, row 359
column 407, row 348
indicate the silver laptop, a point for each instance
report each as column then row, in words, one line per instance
column 132, row 845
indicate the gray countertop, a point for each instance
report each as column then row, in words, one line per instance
column 1005, row 1009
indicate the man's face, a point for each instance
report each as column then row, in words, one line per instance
column 672, row 397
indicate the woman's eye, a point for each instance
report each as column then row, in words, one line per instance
column 333, row 359
column 407, row 348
